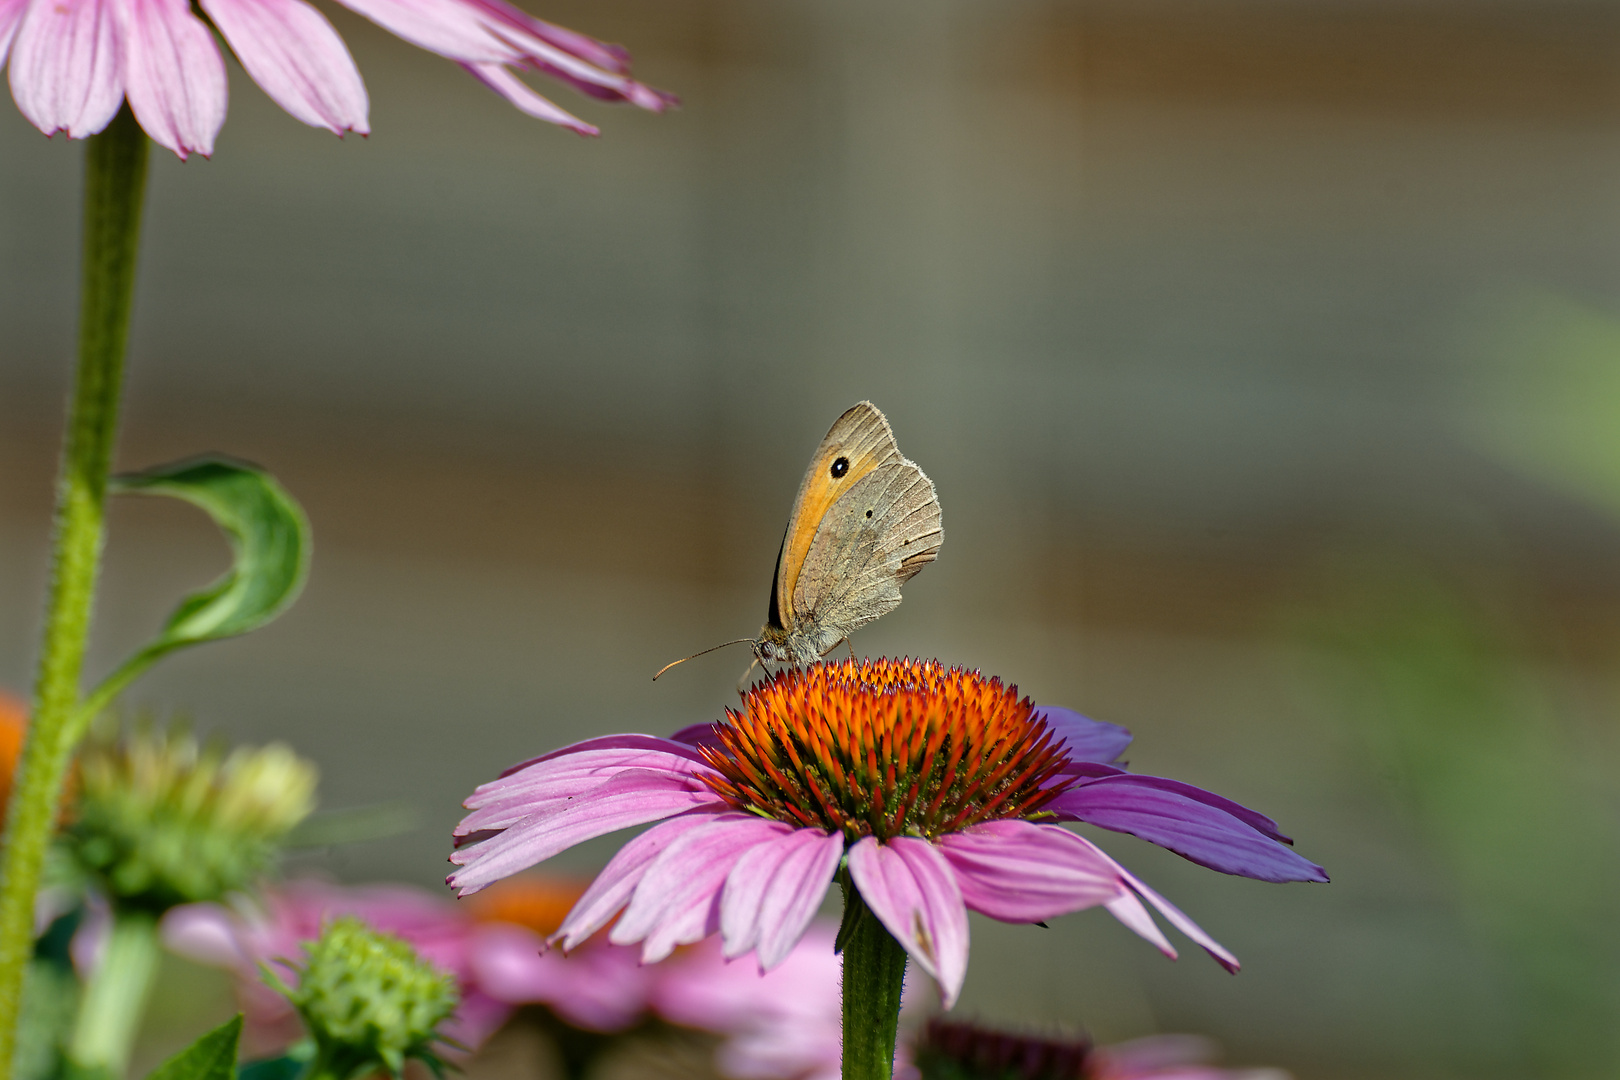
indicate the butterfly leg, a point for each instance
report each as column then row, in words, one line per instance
column 850, row 647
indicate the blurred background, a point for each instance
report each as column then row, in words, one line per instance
column 1266, row 356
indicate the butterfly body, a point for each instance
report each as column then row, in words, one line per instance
column 865, row 520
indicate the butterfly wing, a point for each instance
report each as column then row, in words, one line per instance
column 861, row 437
column 874, row 538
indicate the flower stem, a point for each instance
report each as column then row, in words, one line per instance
column 115, row 178
column 874, row 974
column 110, row 1011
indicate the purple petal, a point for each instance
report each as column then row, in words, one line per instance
column 677, row 901
column 11, row 13
column 554, row 783
column 773, row 892
column 67, row 66
column 296, row 57
column 600, row 988
column 614, row 742
column 1086, row 739
column 635, row 797
column 1194, row 823
column 1019, row 871
column 515, row 90
column 912, row 890
column 705, row 734
column 173, row 75
column 618, row 880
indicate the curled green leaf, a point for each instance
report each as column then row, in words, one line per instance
column 270, row 543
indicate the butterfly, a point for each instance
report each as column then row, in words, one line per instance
column 865, row 520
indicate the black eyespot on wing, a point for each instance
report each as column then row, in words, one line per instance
column 869, row 513
column 839, row 468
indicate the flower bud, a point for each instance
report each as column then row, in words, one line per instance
column 162, row 820
column 368, row 1000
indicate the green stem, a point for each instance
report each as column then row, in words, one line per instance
column 874, row 973
column 115, row 178
column 110, row 1011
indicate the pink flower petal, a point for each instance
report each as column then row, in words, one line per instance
column 293, row 53
column 515, row 90
column 451, row 29
column 614, row 742
column 600, row 988
column 552, row 784
column 773, row 892
column 67, row 66
column 912, row 890
column 677, row 899
column 616, row 883
column 1129, row 910
column 173, row 75
column 1019, row 871
column 11, row 13
column 634, row 797
column 1128, row 914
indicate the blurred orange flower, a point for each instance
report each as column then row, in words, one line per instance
column 13, row 725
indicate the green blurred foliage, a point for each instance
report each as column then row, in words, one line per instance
column 1496, row 772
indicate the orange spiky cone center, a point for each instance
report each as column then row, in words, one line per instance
column 886, row 748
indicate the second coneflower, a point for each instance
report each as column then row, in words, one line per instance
column 926, row 790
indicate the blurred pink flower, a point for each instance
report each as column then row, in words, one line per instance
column 271, row 932
column 73, row 62
column 954, row 1050
column 1167, row 1057
column 780, row 1026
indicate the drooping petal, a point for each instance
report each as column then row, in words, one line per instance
column 553, row 782
column 912, row 890
column 11, row 13
column 634, row 797
column 1086, row 739
column 173, row 75
column 1194, row 823
column 613, row 887
column 67, row 66
column 677, row 901
column 295, row 56
column 1132, row 916
column 1129, row 910
column 205, row 934
column 452, row 29
column 1020, row 871
column 515, row 90
column 773, row 892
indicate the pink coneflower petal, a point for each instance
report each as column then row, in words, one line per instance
column 173, row 75
column 297, row 58
column 773, row 892
column 635, row 797
column 599, row 989
column 678, row 899
column 515, row 90
column 1020, row 871
column 549, row 784
column 1129, row 910
column 11, row 13
column 67, row 66
column 912, row 890
column 1172, row 913
column 451, row 30
column 617, row 882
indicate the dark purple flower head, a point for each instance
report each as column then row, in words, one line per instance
column 937, row 790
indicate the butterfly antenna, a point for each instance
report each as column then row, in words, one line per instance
column 752, row 664
column 695, row 655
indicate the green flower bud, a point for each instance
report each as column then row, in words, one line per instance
column 161, row 820
column 368, row 1000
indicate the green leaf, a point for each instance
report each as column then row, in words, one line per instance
column 212, row 1057
column 270, row 541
